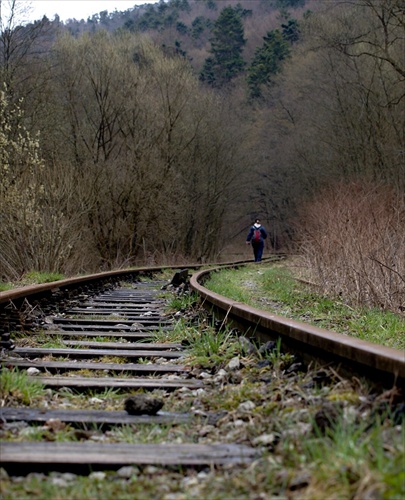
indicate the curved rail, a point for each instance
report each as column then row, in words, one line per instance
column 97, row 279
column 134, row 325
column 114, row 325
column 379, row 363
column 108, row 276
column 26, row 306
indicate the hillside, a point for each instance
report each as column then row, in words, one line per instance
column 157, row 134
column 184, row 26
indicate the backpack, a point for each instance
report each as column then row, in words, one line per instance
column 256, row 235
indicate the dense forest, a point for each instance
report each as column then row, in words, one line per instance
column 156, row 134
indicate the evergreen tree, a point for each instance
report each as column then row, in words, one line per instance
column 291, row 31
column 181, row 28
column 267, row 61
column 295, row 4
column 227, row 45
column 181, row 5
column 198, row 26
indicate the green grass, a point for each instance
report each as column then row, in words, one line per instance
column 210, row 347
column 181, row 302
column 5, row 286
column 33, row 277
column 207, row 345
column 18, row 386
column 146, row 433
column 353, row 453
column 106, row 393
column 354, row 459
column 175, row 334
column 42, row 338
column 274, row 289
column 81, row 488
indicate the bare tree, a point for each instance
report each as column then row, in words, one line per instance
column 336, row 112
column 155, row 151
column 18, row 40
column 362, row 43
column 38, row 228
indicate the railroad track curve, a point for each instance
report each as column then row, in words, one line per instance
column 105, row 328
column 381, row 364
column 80, row 314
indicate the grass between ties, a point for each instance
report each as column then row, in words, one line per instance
column 273, row 288
column 359, row 456
column 17, row 387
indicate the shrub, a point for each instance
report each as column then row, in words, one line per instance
column 353, row 239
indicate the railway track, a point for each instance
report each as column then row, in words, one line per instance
column 123, row 321
column 380, row 364
column 103, row 336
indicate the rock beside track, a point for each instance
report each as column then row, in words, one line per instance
column 142, row 404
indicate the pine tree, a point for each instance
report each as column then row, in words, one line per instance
column 227, row 45
column 267, row 61
column 291, row 31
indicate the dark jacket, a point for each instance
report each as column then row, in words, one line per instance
column 263, row 234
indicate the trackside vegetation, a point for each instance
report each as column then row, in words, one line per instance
column 17, row 387
column 31, row 278
column 273, row 288
column 290, row 107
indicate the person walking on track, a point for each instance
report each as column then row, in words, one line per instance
column 256, row 236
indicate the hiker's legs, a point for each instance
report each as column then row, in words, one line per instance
column 259, row 252
column 254, row 247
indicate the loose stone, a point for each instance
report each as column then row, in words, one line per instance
column 141, row 404
column 33, row 371
column 234, row 364
column 246, row 406
column 247, row 346
column 127, row 472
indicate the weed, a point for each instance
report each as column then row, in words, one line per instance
column 175, row 334
column 145, row 433
column 86, row 373
column 40, row 338
column 355, row 456
column 277, row 358
column 5, row 286
column 210, row 347
column 18, row 386
column 182, row 302
column 106, row 393
column 143, row 361
column 100, row 339
column 113, row 359
column 55, row 343
column 33, row 277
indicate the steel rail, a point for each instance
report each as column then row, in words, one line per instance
column 112, row 276
column 75, row 282
column 24, row 457
column 16, row 457
column 25, row 307
column 378, row 363
column 44, row 288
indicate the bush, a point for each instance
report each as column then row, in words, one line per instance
column 352, row 237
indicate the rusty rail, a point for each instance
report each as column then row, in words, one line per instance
column 376, row 362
